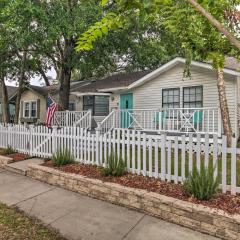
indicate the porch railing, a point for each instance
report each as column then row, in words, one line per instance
column 85, row 121
column 110, row 122
column 183, row 120
column 72, row 118
column 199, row 120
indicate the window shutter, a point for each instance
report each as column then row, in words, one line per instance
column 38, row 108
column 21, row 109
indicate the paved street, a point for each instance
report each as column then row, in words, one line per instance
column 80, row 217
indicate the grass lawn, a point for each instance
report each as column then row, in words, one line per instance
column 15, row 226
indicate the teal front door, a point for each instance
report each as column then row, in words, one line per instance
column 126, row 106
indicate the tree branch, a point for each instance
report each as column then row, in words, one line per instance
column 233, row 40
column 45, row 78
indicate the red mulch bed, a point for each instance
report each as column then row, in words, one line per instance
column 225, row 202
column 18, row 157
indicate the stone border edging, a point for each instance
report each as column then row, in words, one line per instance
column 5, row 160
column 197, row 217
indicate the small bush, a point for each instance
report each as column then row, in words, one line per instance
column 9, row 150
column 115, row 166
column 62, row 157
column 201, row 183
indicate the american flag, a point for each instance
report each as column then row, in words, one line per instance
column 51, row 108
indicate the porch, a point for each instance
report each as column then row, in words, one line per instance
column 171, row 120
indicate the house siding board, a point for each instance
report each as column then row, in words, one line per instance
column 149, row 95
column 114, row 101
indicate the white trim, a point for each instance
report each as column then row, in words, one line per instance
column 112, row 89
column 173, row 63
column 79, row 94
column 30, row 109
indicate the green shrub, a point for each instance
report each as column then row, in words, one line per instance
column 62, row 157
column 115, row 166
column 201, row 183
column 9, row 150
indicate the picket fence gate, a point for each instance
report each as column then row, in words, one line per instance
column 159, row 156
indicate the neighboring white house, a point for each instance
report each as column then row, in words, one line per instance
column 162, row 100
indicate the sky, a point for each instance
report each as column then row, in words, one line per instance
column 37, row 80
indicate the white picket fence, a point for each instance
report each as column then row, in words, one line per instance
column 158, row 156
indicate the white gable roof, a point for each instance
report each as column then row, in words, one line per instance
column 172, row 64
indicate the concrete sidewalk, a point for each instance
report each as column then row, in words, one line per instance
column 80, row 217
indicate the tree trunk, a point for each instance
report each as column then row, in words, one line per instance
column 5, row 105
column 224, row 108
column 233, row 40
column 20, row 86
column 65, row 74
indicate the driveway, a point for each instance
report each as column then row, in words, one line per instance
column 79, row 217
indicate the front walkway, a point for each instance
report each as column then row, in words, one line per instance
column 80, row 217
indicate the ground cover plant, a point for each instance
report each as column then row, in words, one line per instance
column 115, row 166
column 202, row 184
column 62, row 157
column 16, row 226
column 7, row 151
column 16, row 156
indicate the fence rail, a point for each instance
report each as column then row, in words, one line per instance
column 170, row 159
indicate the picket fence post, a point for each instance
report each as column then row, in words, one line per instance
column 31, row 140
column 54, row 142
column 163, row 160
column 224, row 164
column 233, row 166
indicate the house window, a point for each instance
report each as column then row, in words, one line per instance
column 72, row 106
column 99, row 105
column 193, row 97
column 88, row 103
column 26, row 109
column 30, row 109
column 33, row 109
column 171, row 98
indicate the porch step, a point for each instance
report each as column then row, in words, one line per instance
column 21, row 167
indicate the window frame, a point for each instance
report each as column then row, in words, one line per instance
column 93, row 105
column 191, row 101
column 173, row 103
column 30, row 109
